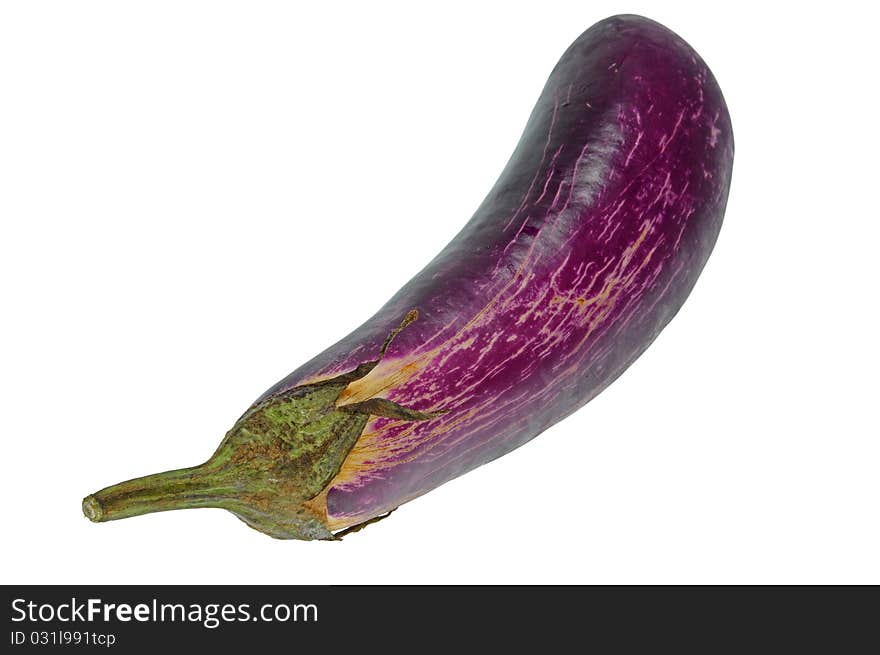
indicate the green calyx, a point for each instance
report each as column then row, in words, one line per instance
column 278, row 456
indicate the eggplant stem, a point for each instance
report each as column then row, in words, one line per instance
column 198, row 486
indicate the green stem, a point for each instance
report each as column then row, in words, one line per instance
column 198, row 486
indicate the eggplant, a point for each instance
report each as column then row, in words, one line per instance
column 585, row 248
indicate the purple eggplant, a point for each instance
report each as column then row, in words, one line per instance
column 585, row 248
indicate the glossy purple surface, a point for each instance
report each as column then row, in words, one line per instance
column 583, row 250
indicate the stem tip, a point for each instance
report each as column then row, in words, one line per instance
column 91, row 507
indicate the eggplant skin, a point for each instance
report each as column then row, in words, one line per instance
column 584, row 249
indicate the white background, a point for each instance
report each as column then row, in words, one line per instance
column 197, row 197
